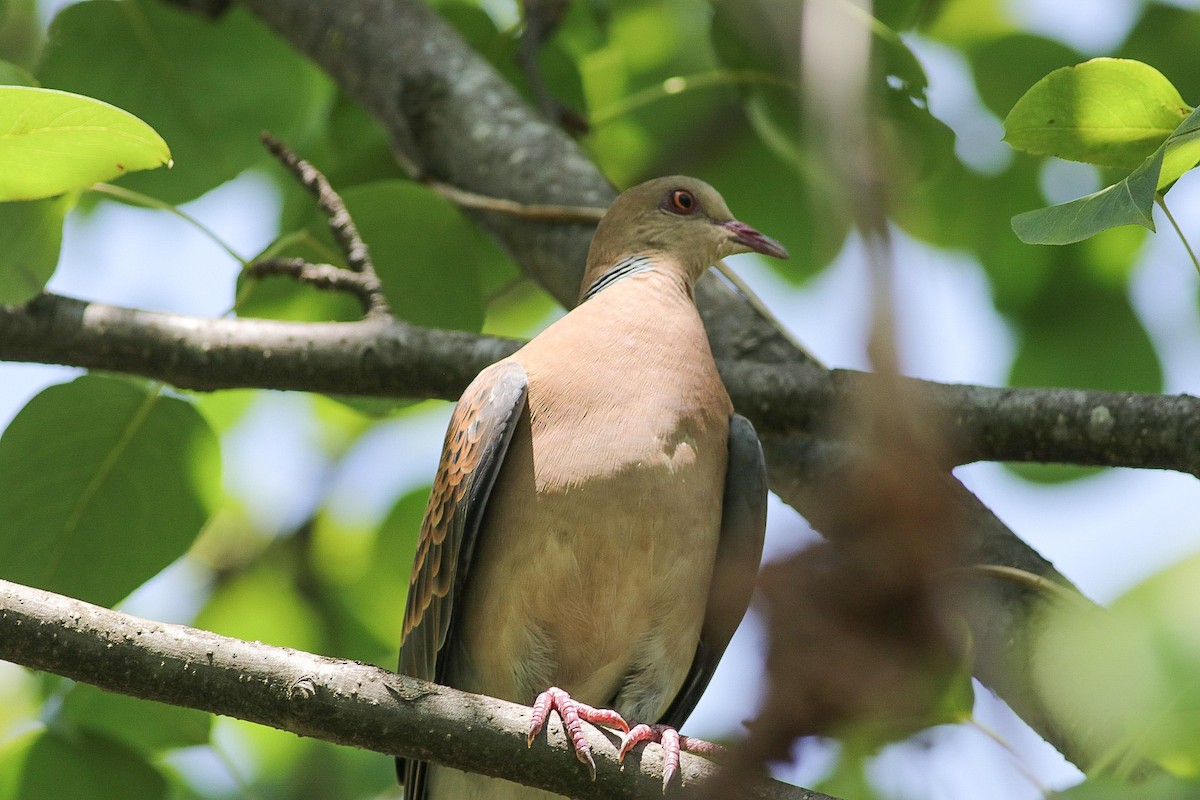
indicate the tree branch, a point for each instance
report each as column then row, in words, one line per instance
column 344, row 702
column 390, row 358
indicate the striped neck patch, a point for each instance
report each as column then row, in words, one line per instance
column 622, row 269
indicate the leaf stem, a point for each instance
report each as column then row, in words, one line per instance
column 1162, row 203
column 683, row 83
column 146, row 201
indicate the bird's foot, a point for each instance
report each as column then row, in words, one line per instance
column 573, row 713
column 672, row 744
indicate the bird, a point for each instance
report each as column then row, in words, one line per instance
column 596, row 521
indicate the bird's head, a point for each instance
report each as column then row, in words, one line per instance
column 680, row 218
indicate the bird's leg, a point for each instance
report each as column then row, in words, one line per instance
column 573, row 713
column 672, row 743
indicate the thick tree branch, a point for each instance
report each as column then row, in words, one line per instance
column 340, row 701
column 385, row 357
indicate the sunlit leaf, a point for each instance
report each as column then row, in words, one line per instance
column 1108, row 111
column 53, row 142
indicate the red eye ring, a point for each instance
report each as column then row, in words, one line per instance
column 681, row 201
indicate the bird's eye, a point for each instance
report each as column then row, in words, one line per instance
column 681, row 201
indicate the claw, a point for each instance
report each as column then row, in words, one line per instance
column 572, row 713
column 672, row 744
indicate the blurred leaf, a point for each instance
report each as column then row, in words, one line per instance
column 20, row 32
column 921, row 145
column 964, row 23
column 425, row 251
column 849, row 776
column 1084, row 334
column 142, row 724
column 106, row 484
column 1004, row 68
column 12, row 75
column 379, row 595
column 427, row 254
column 46, row 764
column 208, row 87
column 521, row 312
column 262, row 603
column 56, row 142
column 1107, row 111
column 900, row 14
column 1142, row 657
column 1158, row 787
column 768, row 194
column 280, row 297
column 358, row 150
column 30, row 238
column 757, row 36
column 1164, row 36
column 223, row 410
column 558, row 65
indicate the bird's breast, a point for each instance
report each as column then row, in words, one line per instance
column 596, row 552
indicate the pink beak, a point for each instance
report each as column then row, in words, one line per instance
column 743, row 234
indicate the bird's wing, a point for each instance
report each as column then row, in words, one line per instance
column 743, row 525
column 480, row 430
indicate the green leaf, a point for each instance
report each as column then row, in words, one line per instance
column 208, row 87
column 147, row 726
column 426, row 253
column 30, row 239
column 1130, row 202
column 53, row 142
column 105, row 484
column 47, row 764
column 1108, row 111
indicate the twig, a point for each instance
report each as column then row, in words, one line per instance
column 358, row 277
column 540, row 211
column 321, row 276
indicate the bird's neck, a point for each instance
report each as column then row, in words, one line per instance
column 602, row 277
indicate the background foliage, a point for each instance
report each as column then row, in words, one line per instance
column 109, row 481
